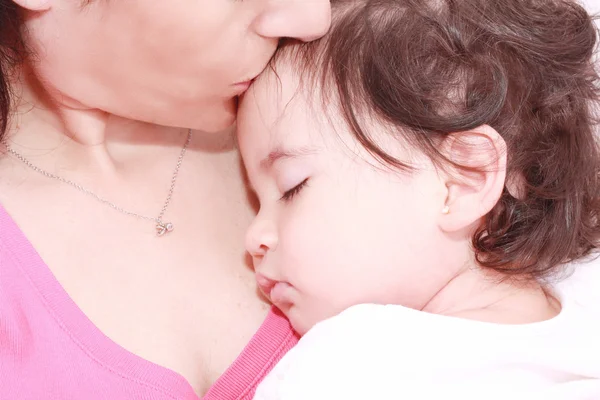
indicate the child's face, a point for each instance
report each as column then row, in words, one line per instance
column 335, row 229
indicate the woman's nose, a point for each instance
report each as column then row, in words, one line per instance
column 305, row 20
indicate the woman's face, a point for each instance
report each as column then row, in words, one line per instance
column 176, row 62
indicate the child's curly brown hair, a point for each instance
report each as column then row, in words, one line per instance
column 524, row 67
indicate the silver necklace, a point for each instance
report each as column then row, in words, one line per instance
column 162, row 227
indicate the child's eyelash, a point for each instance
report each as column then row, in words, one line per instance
column 290, row 194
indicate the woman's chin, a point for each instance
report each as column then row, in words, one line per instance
column 218, row 118
column 210, row 118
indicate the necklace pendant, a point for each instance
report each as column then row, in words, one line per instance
column 162, row 228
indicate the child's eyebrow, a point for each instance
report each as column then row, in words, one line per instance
column 280, row 153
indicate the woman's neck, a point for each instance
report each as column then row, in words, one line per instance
column 53, row 129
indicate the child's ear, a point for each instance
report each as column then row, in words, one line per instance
column 472, row 191
column 34, row 5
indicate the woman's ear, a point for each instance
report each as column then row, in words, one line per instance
column 474, row 189
column 34, row 5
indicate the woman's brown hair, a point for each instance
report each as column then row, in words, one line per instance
column 12, row 52
column 432, row 68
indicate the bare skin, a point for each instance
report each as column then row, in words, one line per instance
column 187, row 301
column 92, row 106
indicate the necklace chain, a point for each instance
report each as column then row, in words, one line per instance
column 161, row 227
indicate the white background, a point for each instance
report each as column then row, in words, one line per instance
column 587, row 277
column 592, row 5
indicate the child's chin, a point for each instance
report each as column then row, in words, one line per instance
column 301, row 328
column 303, row 320
column 300, row 323
column 296, row 320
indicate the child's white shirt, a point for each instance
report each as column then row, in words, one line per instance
column 380, row 352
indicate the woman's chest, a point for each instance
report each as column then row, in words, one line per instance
column 186, row 301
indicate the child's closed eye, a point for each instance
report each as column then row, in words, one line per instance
column 290, row 194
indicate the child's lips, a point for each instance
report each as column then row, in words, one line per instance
column 265, row 284
column 276, row 291
column 280, row 294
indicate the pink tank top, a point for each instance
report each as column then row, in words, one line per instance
column 50, row 350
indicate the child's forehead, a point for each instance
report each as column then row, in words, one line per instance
column 289, row 107
column 279, row 83
column 279, row 96
column 274, row 113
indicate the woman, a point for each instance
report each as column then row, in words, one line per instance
column 122, row 270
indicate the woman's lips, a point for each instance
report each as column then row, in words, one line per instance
column 241, row 87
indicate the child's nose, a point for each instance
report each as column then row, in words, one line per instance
column 260, row 238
